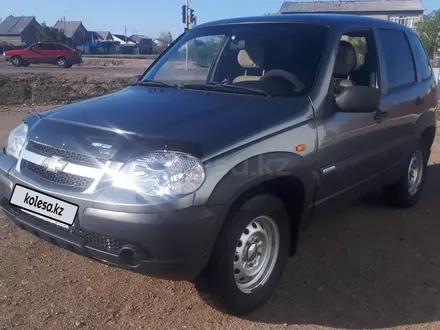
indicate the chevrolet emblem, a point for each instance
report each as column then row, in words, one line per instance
column 54, row 164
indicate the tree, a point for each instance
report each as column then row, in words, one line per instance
column 50, row 34
column 429, row 31
column 167, row 37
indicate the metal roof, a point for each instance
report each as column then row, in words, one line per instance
column 69, row 27
column 15, row 25
column 337, row 20
column 352, row 6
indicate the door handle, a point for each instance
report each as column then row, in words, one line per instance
column 419, row 101
column 380, row 116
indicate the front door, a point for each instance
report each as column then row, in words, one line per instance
column 351, row 148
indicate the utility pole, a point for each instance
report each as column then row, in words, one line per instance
column 125, row 33
column 188, row 4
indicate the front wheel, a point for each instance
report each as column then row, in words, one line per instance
column 407, row 191
column 17, row 61
column 250, row 255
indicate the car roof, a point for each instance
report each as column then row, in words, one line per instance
column 336, row 20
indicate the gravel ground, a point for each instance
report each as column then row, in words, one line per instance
column 359, row 265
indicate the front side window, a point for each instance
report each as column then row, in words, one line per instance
column 281, row 59
column 398, row 58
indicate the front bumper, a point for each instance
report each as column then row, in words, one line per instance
column 173, row 244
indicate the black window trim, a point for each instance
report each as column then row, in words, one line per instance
column 407, row 85
column 419, row 75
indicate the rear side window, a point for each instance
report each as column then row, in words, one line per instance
column 398, row 58
column 422, row 59
column 61, row 47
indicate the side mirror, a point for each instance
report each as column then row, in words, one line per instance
column 135, row 79
column 358, row 99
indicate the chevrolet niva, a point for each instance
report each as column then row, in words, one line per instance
column 208, row 165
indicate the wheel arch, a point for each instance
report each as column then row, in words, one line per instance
column 294, row 186
column 426, row 128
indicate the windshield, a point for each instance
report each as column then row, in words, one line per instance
column 281, row 59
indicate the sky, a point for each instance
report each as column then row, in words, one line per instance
column 148, row 17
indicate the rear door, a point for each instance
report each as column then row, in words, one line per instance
column 63, row 51
column 401, row 98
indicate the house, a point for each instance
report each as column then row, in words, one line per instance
column 93, row 36
column 160, row 45
column 126, row 45
column 407, row 12
column 144, row 43
column 105, row 35
column 19, row 30
column 75, row 32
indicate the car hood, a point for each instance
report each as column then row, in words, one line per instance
column 142, row 118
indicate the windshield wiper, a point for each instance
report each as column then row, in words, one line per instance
column 154, row 83
column 227, row 88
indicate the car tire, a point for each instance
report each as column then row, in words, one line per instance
column 16, row 61
column 407, row 191
column 250, row 255
column 62, row 62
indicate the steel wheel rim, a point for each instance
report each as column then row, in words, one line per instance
column 61, row 62
column 415, row 173
column 256, row 254
column 16, row 61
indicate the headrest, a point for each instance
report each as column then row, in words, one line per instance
column 252, row 56
column 346, row 60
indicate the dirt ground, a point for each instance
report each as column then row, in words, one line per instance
column 91, row 67
column 359, row 266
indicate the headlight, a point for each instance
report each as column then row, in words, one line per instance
column 16, row 140
column 161, row 174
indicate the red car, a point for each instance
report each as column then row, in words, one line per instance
column 44, row 52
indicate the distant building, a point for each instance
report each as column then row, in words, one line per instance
column 406, row 12
column 126, row 45
column 160, row 45
column 75, row 32
column 19, row 30
column 105, row 35
column 144, row 43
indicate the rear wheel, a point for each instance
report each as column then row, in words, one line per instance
column 62, row 62
column 407, row 191
column 17, row 61
column 250, row 255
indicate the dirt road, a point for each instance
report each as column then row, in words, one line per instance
column 123, row 71
column 362, row 265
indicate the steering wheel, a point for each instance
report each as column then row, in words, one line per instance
column 287, row 76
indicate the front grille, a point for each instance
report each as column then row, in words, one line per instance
column 61, row 178
column 67, row 155
column 102, row 242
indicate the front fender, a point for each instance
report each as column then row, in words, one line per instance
column 262, row 168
